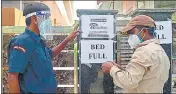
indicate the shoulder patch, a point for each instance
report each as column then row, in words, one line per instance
column 19, row 48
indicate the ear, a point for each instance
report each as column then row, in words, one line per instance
column 33, row 20
column 144, row 32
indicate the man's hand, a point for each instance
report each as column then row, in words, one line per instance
column 106, row 66
column 73, row 34
column 61, row 46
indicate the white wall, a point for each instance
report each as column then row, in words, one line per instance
column 16, row 4
column 109, row 5
column 11, row 4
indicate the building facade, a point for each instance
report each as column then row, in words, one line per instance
column 127, row 6
column 111, row 5
column 61, row 11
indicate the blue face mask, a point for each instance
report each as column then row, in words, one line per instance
column 44, row 28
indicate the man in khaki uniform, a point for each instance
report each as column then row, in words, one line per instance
column 149, row 66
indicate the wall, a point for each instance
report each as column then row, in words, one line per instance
column 11, row 4
column 19, row 18
column 165, row 4
column 8, row 16
column 16, row 4
column 12, row 17
column 109, row 5
column 149, row 4
column 129, row 6
column 145, row 4
column 105, row 5
column 55, row 11
column 61, row 19
column 69, row 9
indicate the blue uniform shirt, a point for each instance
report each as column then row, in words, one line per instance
column 29, row 56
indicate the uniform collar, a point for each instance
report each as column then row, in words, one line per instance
column 148, row 41
column 33, row 35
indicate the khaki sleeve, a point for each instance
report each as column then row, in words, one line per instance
column 130, row 77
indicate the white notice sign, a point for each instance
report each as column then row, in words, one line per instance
column 97, row 26
column 96, row 51
column 164, row 31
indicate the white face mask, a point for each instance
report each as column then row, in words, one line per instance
column 133, row 41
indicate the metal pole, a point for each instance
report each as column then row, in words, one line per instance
column 75, row 69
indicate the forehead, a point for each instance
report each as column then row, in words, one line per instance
column 133, row 30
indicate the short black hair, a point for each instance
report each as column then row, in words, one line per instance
column 33, row 7
column 28, row 21
column 151, row 30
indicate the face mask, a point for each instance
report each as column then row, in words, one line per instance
column 44, row 24
column 135, row 40
column 45, row 27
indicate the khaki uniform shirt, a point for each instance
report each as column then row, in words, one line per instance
column 147, row 71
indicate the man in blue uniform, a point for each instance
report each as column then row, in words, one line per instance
column 29, row 59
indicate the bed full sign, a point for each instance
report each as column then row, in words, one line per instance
column 93, row 51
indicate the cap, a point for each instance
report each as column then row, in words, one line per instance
column 140, row 20
column 35, row 7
